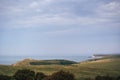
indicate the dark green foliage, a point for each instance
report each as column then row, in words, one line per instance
column 4, row 77
column 98, row 78
column 107, row 77
column 88, row 78
column 118, row 78
column 30, row 78
column 24, row 74
column 62, row 75
column 51, row 62
column 40, row 76
column 40, row 63
column 63, row 62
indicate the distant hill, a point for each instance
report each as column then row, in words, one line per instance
column 106, row 55
column 103, row 56
column 82, row 70
column 28, row 62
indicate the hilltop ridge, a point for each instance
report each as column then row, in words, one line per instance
column 28, row 62
column 84, row 69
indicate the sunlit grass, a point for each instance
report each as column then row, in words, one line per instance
column 81, row 70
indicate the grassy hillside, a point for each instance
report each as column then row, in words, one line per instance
column 81, row 70
column 52, row 62
column 31, row 62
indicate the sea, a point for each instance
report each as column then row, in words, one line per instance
column 8, row 60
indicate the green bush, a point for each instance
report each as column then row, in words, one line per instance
column 62, row 75
column 106, row 77
column 24, row 74
column 5, row 77
column 40, row 76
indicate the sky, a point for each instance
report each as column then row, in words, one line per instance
column 59, row 27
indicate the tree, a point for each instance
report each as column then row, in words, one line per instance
column 40, row 76
column 62, row 75
column 98, row 78
column 24, row 74
column 4, row 77
column 118, row 78
column 30, row 78
column 106, row 77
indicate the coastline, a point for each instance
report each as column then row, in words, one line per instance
column 11, row 60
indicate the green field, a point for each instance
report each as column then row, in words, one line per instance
column 106, row 66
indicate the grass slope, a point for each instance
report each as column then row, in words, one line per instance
column 52, row 62
column 81, row 70
column 31, row 62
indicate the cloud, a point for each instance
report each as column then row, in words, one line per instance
column 64, row 26
column 58, row 20
column 39, row 4
column 110, row 9
column 60, row 12
column 34, row 4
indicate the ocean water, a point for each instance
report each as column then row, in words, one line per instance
column 8, row 60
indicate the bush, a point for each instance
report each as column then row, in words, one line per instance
column 107, row 77
column 24, row 74
column 40, row 76
column 62, row 75
column 118, row 78
column 98, row 78
column 4, row 77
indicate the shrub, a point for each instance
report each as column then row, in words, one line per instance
column 98, row 78
column 40, row 76
column 118, row 78
column 107, row 77
column 24, row 74
column 62, row 75
column 4, row 77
